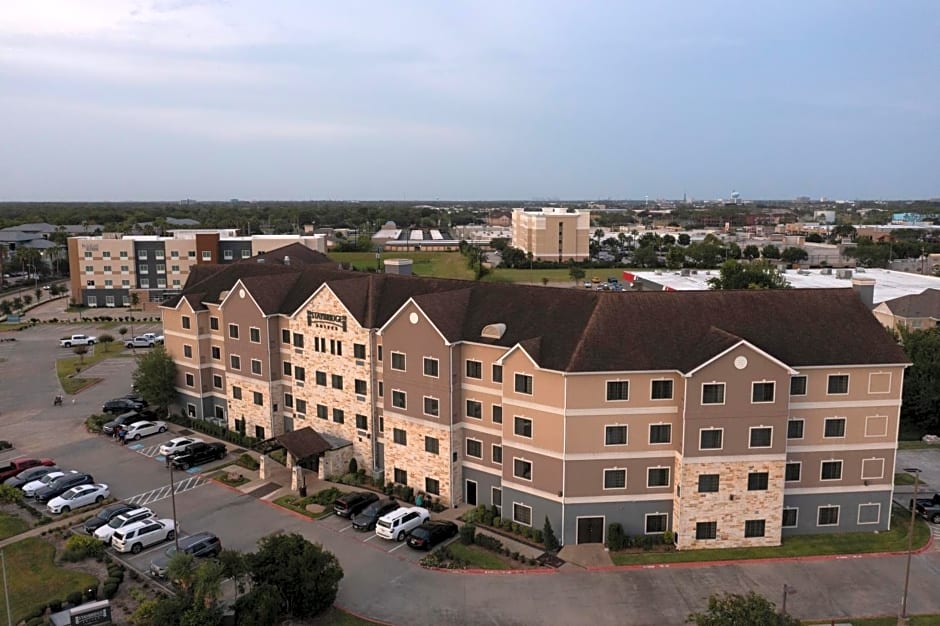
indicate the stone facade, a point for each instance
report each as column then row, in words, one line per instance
column 413, row 458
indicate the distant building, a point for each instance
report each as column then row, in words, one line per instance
column 917, row 311
column 499, row 217
column 552, row 233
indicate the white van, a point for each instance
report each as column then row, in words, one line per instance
column 397, row 524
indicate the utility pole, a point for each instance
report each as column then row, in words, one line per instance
column 902, row 619
column 6, row 590
column 176, row 526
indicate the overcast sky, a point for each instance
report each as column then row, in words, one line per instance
column 274, row 99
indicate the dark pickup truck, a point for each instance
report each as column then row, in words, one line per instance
column 929, row 508
column 197, row 454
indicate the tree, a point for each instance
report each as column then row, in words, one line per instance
column 135, row 299
column 733, row 609
column 155, row 378
column 81, row 351
column 750, row 252
column 645, row 257
column 17, row 303
column 38, row 294
column 107, row 340
column 544, row 281
column 548, row 534
column 920, row 409
column 793, row 254
column 181, row 571
column 770, row 251
column 675, row 257
column 576, row 274
column 499, row 243
column 306, row 575
column 27, row 300
column 756, row 275
column 260, row 607
column 814, row 238
column 234, row 566
column 122, row 331
column 684, row 239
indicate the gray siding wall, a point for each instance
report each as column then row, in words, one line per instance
column 540, row 508
column 485, row 483
column 151, row 248
column 630, row 514
column 235, row 247
column 848, row 503
column 102, row 294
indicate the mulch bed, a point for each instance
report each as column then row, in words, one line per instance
column 550, row 560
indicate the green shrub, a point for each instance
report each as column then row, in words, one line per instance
column 110, row 591
column 74, row 598
column 35, row 621
column 550, row 540
column 95, row 423
column 669, row 538
column 467, row 534
column 489, row 543
column 55, row 606
column 326, row 497
column 79, row 547
column 497, row 522
column 537, row 536
column 248, row 462
column 615, row 536
column 408, row 494
column 11, row 495
column 37, row 611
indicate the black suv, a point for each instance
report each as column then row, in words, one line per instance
column 431, row 533
column 200, row 545
column 351, row 503
column 197, row 453
column 124, row 419
column 368, row 516
column 121, row 405
column 62, row 484
column 105, row 515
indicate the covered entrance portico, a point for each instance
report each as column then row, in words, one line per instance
column 325, row 455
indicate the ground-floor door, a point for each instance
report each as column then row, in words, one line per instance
column 470, row 493
column 590, row 530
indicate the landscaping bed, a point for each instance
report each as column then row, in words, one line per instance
column 488, row 517
column 324, row 498
column 473, row 551
column 232, row 479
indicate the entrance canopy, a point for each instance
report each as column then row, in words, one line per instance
column 304, row 444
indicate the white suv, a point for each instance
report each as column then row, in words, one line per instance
column 397, row 524
column 123, row 520
column 140, row 535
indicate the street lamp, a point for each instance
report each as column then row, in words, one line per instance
column 176, row 527
column 787, row 590
column 902, row 618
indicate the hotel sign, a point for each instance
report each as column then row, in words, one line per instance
column 326, row 320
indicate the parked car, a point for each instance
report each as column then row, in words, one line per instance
column 105, row 531
column 30, row 488
column 154, row 337
column 197, row 454
column 62, row 484
column 140, row 535
column 77, row 497
column 16, row 466
column 145, row 429
column 929, row 508
column 431, row 533
column 178, row 444
column 351, row 503
column 200, row 545
column 397, row 524
column 367, row 517
column 139, row 342
column 78, row 340
column 105, row 515
column 121, row 405
column 124, row 419
column 29, row 475
column 133, row 396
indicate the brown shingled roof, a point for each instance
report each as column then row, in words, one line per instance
column 304, row 443
column 924, row 304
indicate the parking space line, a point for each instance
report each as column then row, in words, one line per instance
column 398, row 547
column 161, row 493
column 345, row 528
column 371, row 537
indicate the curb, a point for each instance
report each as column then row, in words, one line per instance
column 490, row 572
column 361, row 616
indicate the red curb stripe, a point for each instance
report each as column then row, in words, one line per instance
column 361, row 616
column 534, row 570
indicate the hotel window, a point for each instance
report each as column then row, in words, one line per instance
column 432, row 445
column 161, row 268
column 216, row 353
column 288, row 400
column 161, row 283
column 336, row 381
column 217, row 381
column 123, row 254
column 661, row 390
column 236, row 362
column 287, row 368
column 160, row 255
column 497, row 373
column 142, row 255
column 107, row 269
column 237, row 393
column 615, row 478
column 828, row 516
column 762, row 392
column 301, row 406
column 432, row 406
column 496, row 498
column 213, row 323
column 381, row 388
column 401, row 476
column 708, row 483
column 798, row 386
column 185, row 322
column 522, row 469
column 89, row 269
column 91, row 283
column 474, row 448
column 474, row 369
column 618, row 390
column 615, row 435
column 706, row 530
column 399, row 400
column 206, row 255
column 795, row 429
column 757, row 481
column 710, row 438
column 522, row 427
column 359, row 351
column 713, row 393
column 379, row 353
column 657, row 477
column 258, row 398
column 285, row 336
column 227, row 255
column 144, row 283
column 497, row 414
column 143, row 269
column 762, row 437
column 362, row 422
column 754, row 528
column 339, row 416
column 838, row 384
column 360, row 387
column 190, row 380
column 831, row 470
column 322, row 411
column 497, row 452
column 233, row 331
column 254, row 335
column 107, row 285
column 188, row 351
column 320, row 378
column 789, row 518
column 298, row 340
column 400, row 436
column 430, row 367
column 523, row 384
column 431, row 485
column 88, row 254
column 336, row 347
column 656, row 523
column 106, row 254
column 398, row 361
column 300, row 373
column 245, row 253
column 660, row 433
column 191, row 254
column 256, row 367
column 521, row 514
column 835, row 427
column 792, row 472
column 474, row 409
column 175, row 254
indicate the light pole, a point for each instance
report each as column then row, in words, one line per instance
column 787, row 590
column 902, row 618
column 176, row 527
column 6, row 591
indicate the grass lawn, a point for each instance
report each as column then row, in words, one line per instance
column 903, row 478
column 501, row 275
column 222, row 477
column 916, row 445
column 65, row 366
column 477, row 557
column 435, row 264
column 917, row 620
column 299, row 505
column 895, row 540
column 338, row 617
column 36, row 579
column 11, row 525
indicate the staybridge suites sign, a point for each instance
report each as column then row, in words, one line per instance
column 326, row 320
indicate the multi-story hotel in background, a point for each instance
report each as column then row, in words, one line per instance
column 552, row 233
column 731, row 418
column 107, row 270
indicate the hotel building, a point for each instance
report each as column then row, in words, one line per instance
column 552, row 233
column 106, row 270
column 732, row 418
